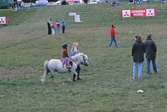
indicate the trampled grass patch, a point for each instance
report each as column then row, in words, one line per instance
column 106, row 85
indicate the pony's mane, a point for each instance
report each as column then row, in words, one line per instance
column 80, row 53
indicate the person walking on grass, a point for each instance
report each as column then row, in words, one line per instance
column 138, row 50
column 151, row 49
column 113, row 37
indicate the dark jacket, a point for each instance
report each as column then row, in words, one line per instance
column 151, row 49
column 138, row 51
column 64, row 53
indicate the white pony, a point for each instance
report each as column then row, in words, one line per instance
column 55, row 65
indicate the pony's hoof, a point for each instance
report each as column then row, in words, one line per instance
column 42, row 81
column 56, row 82
column 69, row 80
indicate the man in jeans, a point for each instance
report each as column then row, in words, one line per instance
column 113, row 37
column 151, row 49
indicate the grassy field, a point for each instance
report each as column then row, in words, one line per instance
column 106, row 85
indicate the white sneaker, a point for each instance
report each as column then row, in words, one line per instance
column 156, row 71
column 133, row 77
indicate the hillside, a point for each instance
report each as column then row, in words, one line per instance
column 106, row 85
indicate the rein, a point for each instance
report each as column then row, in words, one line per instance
column 84, row 59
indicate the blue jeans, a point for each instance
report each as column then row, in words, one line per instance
column 148, row 65
column 22, row 7
column 53, row 31
column 137, row 67
column 111, row 40
column 58, row 30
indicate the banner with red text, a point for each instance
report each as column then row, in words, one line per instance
column 3, row 20
column 138, row 13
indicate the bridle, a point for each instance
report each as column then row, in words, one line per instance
column 84, row 59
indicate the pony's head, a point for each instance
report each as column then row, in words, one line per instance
column 84, row 59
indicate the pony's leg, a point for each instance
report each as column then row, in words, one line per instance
column 76, row 75
column 69, row 79
column 78, row 71
column 52, row 72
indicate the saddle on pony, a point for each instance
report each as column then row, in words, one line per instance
column 67, row 62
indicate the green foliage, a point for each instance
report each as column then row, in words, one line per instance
column 106, row 85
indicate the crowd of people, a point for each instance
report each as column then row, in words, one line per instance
column 19, row 5
column 57, row 26
column 139, row 48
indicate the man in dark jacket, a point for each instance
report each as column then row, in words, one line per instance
column 151, row 49
column 49, row 25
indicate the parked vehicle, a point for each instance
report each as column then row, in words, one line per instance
column 51, row 4
column 30, row 4
column 77, row 2
column 39, row 3
column 58, row 3
column 93, row 2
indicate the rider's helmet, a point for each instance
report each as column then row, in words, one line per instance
column 65, row 45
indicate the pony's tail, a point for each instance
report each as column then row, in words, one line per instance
column 45, row 71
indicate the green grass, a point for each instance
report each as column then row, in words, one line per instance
column 106, row 84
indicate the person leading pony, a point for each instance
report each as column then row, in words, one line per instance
column 75, row 51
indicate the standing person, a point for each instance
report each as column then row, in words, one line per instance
column 57, row 27
column 22, row 5
column 113, row 37
column 74, row 51
column 52, row 28
column 63, row 23
column 151, row 49
column 64, row 56
column 138, row 51
column 49, row 26
column 18, row 4
column 15, row 8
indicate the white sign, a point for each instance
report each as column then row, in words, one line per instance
column 3, row 20
column 150, row 12
column 77, row 18
column 126, row 13
column 72, row 14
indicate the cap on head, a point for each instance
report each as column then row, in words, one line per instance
column 64, row 45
